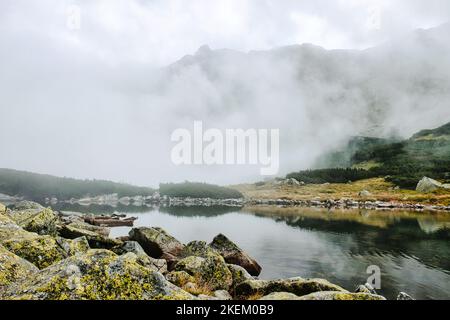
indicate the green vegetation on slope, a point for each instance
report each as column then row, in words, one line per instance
column 198, row 190
column 427, row 153
column 39, row 186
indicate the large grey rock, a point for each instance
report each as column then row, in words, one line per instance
column 210, row 273
column 297, row 286
column 35, row 218
column 96, row 240
column 235, row 255
column 96, row 275
column 333, row 295
column 145, row 260
column 280, row 296
column 427, row 185
column 156, row 242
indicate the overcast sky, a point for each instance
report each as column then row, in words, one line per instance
column 161, row 31
column 70, row 100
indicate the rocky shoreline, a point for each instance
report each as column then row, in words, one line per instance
column 46, row 255
column 156, row 201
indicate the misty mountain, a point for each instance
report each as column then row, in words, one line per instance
column 392, row 89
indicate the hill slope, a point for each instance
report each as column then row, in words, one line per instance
column 426, row 153
column 39, row 186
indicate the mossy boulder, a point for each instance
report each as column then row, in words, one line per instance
column 42, row 251
column 39, row 220
column 78, row 223
column 96, row 275
column 157, row 243
column 197, row 249
column 210, row 273
column 239, row 275
column 72, row 247
column 280, row 296
column 95, row 239
column 235, row 255
column 179, row 278
column 297, row 286
column 145, row 260
column 333, row 295
column 13, row 268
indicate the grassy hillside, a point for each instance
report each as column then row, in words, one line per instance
column 198, row 190
column 39, row 186
column 404, row 163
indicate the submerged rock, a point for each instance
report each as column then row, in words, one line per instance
column 297, row 286
column 333, row 295
column 235, row 255
column 96, row 275
column 157, row 243
column 13, row 268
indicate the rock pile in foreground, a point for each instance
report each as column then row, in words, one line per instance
column 47, row 256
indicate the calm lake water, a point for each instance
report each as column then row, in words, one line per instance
column 411, row 249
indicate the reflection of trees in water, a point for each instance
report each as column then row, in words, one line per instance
column 399, row 236
column 198, row 211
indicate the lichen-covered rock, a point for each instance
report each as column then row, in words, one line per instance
column 156, row 242
column 78, row 223
column 297, row 286
column 179, row 278
column 96, row 240
column 210, row 273
column 39, row 220
column 72, row 247
column 2, row 208
column 197, row 249
column 96, row 275
column 239, row 275
column 26, row 205
column 159, row 265
column 333, row 295
column 13, row 268
column 235, row 255
column 280, row 296
column 42, row 251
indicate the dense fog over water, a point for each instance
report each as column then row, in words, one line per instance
column 101, row 99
